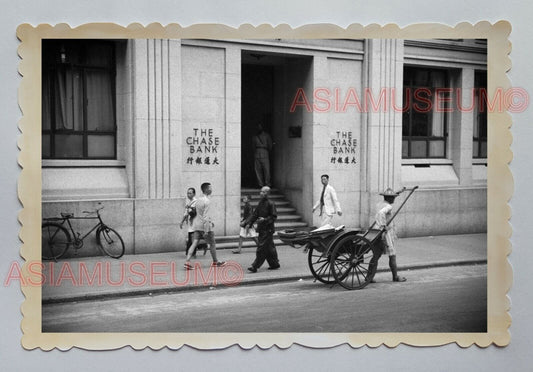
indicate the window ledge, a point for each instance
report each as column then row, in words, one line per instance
column 441, row 176
column 51, row 163
column 479, row 161
column 429, row 161
column 79, row 183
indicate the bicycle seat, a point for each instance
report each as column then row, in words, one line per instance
column 67, row 215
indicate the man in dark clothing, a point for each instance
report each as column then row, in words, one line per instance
column 262, row 143
column 265, row 214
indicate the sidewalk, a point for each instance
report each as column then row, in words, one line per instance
column 103, row 277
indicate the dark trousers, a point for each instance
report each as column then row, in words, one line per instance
column 377, row 252
column 266, row 250
column 262, row 171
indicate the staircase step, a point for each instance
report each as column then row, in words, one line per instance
column 289, row 225
column 284, row 210
column 271, row 196
column 248, row 190
column 288, row 217
column 284, row 203
column 289, row 210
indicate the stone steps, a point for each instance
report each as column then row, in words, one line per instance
column 288, row 218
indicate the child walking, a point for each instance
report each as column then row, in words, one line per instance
column 248, row 231
column 188, row 217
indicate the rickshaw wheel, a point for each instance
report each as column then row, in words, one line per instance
column 350, row 262
column 319, row 264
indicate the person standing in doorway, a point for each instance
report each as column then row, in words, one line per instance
column 203, row 227
column 264, row 214
column 262, row 144
column 188, row 217
column 388, row 238
column 328, row 202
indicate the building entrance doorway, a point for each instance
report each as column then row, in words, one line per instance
column 270, row 83
column 257, row 108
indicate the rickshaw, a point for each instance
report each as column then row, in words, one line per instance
column 339, row 255
column 319, row 245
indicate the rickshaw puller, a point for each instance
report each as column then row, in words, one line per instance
column 388, row 238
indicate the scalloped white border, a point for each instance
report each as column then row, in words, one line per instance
column 500, row 186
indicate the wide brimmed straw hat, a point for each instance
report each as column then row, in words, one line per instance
column 389, row 192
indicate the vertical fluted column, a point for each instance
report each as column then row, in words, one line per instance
column 385, row 81
column 157, row 118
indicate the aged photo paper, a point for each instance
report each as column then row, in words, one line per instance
column 118, row 123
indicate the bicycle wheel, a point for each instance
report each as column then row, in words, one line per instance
column 55, row 241
column 350, row 262
column 110, row 242
column 319, row 264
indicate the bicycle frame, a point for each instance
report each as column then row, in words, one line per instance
column 75, row 234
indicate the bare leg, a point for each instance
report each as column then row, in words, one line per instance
column 191, row 249
column 240, row 246
column 394, row 269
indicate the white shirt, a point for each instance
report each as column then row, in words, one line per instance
column 189, row 204
column 202, row 221
column 383, row 214
column 331, row 203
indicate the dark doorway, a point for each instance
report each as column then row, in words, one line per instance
column 257, row 107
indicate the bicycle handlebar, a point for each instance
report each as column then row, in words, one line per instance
column 95, row 211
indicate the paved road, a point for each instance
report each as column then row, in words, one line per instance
column 451, row 299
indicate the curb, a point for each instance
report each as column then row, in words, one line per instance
column 176, row 289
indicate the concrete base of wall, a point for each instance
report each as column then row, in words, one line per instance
column 146, row 226
column 152, row 226
column 443, row 212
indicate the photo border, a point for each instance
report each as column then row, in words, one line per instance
column 499, row 185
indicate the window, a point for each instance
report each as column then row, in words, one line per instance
column 78, row 99
column 426, row 102
column 479, row 148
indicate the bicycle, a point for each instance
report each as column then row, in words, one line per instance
column 56, row 238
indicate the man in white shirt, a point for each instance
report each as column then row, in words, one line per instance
column 203, row 227
column 328, row 202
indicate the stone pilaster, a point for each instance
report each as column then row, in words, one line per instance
column 461, row 128
column 384, row 128
column 157, row 118
column 233, row 138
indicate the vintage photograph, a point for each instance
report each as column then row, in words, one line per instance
column 284, row 187
column 306, row 169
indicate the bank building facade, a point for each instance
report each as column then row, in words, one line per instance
column 132, row 124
